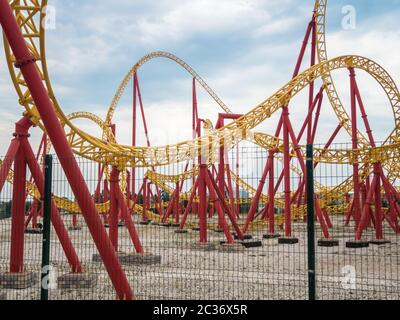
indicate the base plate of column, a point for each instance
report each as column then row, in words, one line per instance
column 218, row 230
column 245, row 236
column 77, row 228
column 76, row 281
column 181, row 231
column 19, row 281
column 288, row 240
column 328, row 243
column 145, row 223
column 164, row 224
column 253, row 243
column 357, row 244
column 135, row 259
column 271, row 236
column 33, row 231
column 203, row 246
column 231, row 247
column 379, row 242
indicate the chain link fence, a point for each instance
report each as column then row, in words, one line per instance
column 172, row 265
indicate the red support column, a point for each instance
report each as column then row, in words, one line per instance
column 220, row 211
column 135, row 85
column 237, row 182
column 113, row 221
column 363, row 193
column 286, row 169
column 176, row 206
column 364, row 217
column 189, row 205
column 271, row 195
column 33, row 214
column 74, row 220
column 356, row 185
column 170, row 207
column 303, row 47
column 256, row 198
column 128, row 220
column 311, row 86
column 18, row 212
column 128, row 186
column 144, row 198
column 221, row 173
column 378, row 212
column 231, row 215
column 106, row 196
column 148, row 199
column 203, row 202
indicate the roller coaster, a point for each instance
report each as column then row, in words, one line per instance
column 207, row 170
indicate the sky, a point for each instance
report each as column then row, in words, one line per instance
column 244, row 49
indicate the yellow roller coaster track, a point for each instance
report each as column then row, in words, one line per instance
column 30, row 13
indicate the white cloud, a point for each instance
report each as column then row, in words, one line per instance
column 88, row 43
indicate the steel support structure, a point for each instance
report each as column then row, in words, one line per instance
column 45, row 107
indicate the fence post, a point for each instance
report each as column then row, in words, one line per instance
column 44, row 292
column 310, row 222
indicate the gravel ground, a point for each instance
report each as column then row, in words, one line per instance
column 269, row 272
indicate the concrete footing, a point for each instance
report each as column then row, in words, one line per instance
column 251, row 243
column 33, row 231
column 120, row 225
column 134, row 259
column 288, row 240
column 181, row 231
column 379, row 242
column 174, row 225
column 328, row 243
column 72, row 228
column 271, row 236
column 19, row 281
column 76, row 281
column 3, row 296
column 218, row 230
column 245, row 236
column 203, row 246
column 234, row 247
column 357, row 244
column 164, row 224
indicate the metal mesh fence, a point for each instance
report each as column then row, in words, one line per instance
column 174, row 266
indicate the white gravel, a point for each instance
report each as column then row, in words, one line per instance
column 270, row 272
